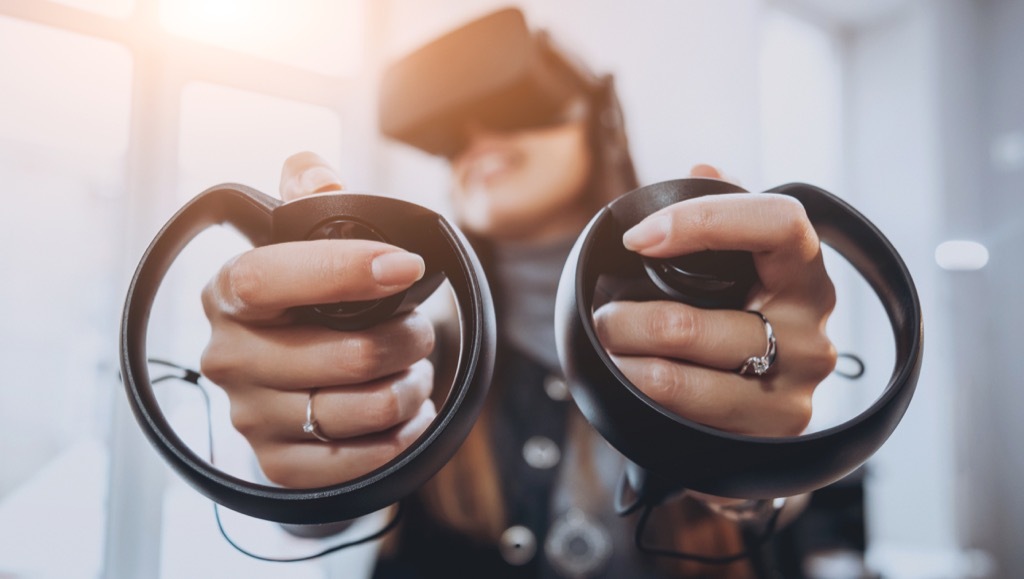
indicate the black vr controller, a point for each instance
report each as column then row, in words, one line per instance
column 671, row 453
column 265, row 220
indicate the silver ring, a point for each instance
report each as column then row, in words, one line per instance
column 311, row 426
column 759, row 365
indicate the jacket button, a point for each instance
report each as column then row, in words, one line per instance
column 541, row 452
column 518, row 545
column 555, row 388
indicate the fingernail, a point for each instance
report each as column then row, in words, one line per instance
column 647, row 233
column 318, row 179
column 705, row 170
column 397, row 268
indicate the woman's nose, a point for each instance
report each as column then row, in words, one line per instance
column 476, row 136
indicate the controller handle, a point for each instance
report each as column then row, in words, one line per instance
column 672, row 453
column 264, row 220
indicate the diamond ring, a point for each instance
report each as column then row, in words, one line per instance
column 759, row 365
column 311, row 426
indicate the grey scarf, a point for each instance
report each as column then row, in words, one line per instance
column 527, row 276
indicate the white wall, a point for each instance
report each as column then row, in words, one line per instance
column 687, row 74
column 896, row 176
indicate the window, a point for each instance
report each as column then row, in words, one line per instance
column 62, row 163
column 109, row 124
column 323, row 36
column 113, row 8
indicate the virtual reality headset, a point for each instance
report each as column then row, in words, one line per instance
column 493, row 73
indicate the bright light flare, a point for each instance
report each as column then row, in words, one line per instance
column 320, row 35
column 961, row 255
column 218, row 20
column 222, row 14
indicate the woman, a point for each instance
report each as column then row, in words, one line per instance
column 529, row 492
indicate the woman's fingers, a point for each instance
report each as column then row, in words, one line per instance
column 720, row 399
column 370, row 388
column 342, row 412
column 685, row 358
column 774, row 227
column 307, row 174
column 316, row 464
column 721, row 339
column 260, row 284
column 296, row 357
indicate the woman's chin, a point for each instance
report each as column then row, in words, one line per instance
column 495, row 227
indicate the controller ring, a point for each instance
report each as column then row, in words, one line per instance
column 264, row 220
column 678, row 453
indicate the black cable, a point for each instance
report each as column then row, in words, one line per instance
column 858, row 362
column 750, row 550
column 192, row 377
column 753, row 546
column 621, row 508
column 385, row 530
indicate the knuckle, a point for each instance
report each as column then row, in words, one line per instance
column 277, row 470
column 243, row 420
column 421, row 376
column 795, row 225
column 799, row 413
column 704, row 218
column 676, row 326
column 603, row 321
column 814, row 359
column 828, row 357
column 387, row 407
column 209, row 301
column 244, row 282
column 296, row 161
column 362, row 356
column 325, row 266
column 660, row 380
column 788, row 209
column 215, row 363
column 396, row 445
column 387, row 449
column 819, row 358
column 828, row 295
column 423, row 332
column 405, row 438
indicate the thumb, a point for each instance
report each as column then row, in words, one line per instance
column 711, row 172
column 704, row 170
column 307, row 173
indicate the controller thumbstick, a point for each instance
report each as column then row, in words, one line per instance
column 343, row 228
column 707, row 279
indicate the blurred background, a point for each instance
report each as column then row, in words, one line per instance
column 113, row 113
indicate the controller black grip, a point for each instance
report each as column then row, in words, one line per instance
column 355, row 216
column 446, row 254
column 678, row 453
column 706, row 279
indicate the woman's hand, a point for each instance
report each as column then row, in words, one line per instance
column 372, row 386
column 686, row 358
